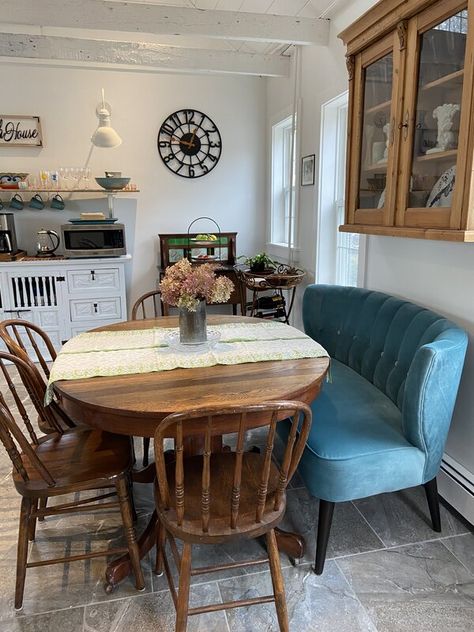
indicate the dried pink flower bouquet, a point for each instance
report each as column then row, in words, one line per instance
column 185, row 285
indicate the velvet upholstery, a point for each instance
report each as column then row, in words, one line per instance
column 381, row 423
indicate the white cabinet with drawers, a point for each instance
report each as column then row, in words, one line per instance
column 64, row 296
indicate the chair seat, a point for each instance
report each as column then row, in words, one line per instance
column 356, row 447
column 221, row 476
column 84, row 457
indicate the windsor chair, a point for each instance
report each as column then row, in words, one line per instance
column 60, row 463
column 225, row 495
column 153, row 300
column 18, row 335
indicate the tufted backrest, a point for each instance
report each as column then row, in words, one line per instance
column 402, row 348
column 375, row 334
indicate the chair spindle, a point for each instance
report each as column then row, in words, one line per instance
column 179, row 474
column 19, row 403
column 206, row 477
column 285, row 466
column 38, row 353
column 239, row 452
column 263, row 486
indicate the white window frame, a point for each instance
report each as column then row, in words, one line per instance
column 331, row 245
column 280, row 187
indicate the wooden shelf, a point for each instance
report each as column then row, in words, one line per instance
column 105, row 191
column 456, row 77
column 386, row 105
column 204, row 244
column 377, row 167
column 439, row 155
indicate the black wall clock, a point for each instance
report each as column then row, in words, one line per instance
column 189, row 143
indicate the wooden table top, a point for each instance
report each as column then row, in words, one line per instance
column 134, row 404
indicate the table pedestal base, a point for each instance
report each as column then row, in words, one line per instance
column 290, row 543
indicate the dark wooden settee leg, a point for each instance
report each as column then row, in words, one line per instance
column 326, row 510
column 431, row 491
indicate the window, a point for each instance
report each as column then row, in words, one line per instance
column 340, row 256
column 282, row 183
column 347, row 244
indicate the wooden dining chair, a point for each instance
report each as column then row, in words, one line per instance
column 75, row 460
column 224, row 495
column 148, row 306
column 152, row 301
column 25, row 339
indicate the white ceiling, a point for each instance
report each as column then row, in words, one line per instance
column 241, row 50
column 301, row 8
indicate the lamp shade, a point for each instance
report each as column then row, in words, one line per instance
column 105, row 135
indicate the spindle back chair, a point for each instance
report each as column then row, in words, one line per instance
column 153, row 301
column 29, row 342
column 225, row 495
column 25, row 334
column 75, row 460
column 139, row 312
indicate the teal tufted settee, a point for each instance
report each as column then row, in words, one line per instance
column 381, row 423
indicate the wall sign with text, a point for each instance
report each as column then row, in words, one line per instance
column 20, row 130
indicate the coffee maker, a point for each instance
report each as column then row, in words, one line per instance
column 7, row 233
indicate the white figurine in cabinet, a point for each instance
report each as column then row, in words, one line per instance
column 380, row 149
column 445, row 114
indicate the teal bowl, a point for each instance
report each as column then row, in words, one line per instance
column 112, row 184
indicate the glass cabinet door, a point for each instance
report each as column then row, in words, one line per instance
column 430, row 127
column 374, row 151
column 378, row 83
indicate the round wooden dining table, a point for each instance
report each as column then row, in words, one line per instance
column 135, row 404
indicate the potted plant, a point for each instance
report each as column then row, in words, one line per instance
column 260, row 262
column 189, row 288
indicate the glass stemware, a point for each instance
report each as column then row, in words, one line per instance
column 86, row 176
column 44, row 178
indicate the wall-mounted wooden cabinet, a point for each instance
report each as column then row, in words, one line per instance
column 411, row 120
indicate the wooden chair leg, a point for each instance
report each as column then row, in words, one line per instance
column 160, row 547
column 125, row 508
column 42, row 505
column 32, row 522
column 277, row 581
column 326, row 510
column 431, row 491
column 183, row 590
column 146, row 450
column 22, row 552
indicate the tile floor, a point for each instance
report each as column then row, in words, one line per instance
column 387, row 571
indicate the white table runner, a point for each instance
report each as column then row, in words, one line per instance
column 111, row 353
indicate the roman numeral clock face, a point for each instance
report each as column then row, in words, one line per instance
column 189, row 143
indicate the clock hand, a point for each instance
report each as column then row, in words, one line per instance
column 179, row 141
column 192, row 137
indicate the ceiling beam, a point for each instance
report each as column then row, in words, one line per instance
column 152, row 57
column 134, row 17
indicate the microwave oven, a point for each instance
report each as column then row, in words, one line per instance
column 93, row 240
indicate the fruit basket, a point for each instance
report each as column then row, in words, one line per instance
column 210, row 241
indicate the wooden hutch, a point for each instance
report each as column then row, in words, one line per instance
column 221, row 251
column 411, row 122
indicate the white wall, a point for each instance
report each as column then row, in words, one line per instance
column 432, row 273
column 65, row 99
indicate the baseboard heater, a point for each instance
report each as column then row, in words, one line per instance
column 456, row 486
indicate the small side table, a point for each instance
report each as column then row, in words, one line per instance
column 279, row 280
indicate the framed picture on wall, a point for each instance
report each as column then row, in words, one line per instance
column 307, row 170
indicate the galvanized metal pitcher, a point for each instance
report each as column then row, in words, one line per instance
column 192, row 325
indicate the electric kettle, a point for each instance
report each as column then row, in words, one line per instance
column 47, row 244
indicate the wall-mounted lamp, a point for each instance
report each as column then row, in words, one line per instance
column 105, row 135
